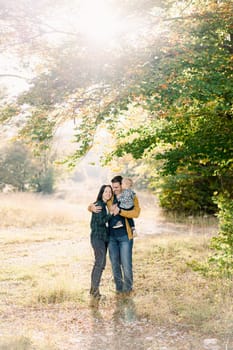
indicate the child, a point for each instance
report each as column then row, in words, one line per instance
column 126, row 202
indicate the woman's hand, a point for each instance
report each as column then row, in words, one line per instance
column 94, row 208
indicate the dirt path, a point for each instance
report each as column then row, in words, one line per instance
column 102, row 327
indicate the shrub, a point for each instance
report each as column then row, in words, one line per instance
column 222, row 259
column 187, row 194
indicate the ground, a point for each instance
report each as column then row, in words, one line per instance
column 33, row 317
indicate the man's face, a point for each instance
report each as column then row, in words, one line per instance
column 116, row 187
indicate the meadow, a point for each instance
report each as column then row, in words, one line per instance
column 46, row 260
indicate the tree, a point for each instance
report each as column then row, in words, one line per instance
column 181, row 74
column 23, row 172
column 16, row 167
column 182, row 77
column 188, row 92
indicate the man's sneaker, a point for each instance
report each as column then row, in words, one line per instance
column 118, row 225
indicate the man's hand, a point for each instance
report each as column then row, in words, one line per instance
column 94, row 208
column 116, row 210
column 112, row 209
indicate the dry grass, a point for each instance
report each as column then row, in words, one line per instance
column 29, row 210
column 171, row 292
column 46, row 261
column 20, row 343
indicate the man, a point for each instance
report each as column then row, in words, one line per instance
column 121, row 240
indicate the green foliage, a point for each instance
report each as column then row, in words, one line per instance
column 187, row 90
column 186, row 194
column 20, row 169
column 16, row 167
column 44, row 181
column 38, row 131
column 182, row 77
column 202, row 141
column 222, row 259
column 190, row 156
column 7, row 112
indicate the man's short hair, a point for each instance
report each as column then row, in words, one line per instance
column 117, row 179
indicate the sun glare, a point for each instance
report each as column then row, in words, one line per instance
column 98, row 22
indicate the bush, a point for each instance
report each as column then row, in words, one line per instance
column 187, row 194
column 44, row 182
column 22, row 171
column 222, row 259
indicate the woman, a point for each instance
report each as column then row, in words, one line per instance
column 100, row 237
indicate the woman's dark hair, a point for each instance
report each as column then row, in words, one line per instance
column 101, row 191
column 117, row 179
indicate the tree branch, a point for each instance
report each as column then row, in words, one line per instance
column 13, row 76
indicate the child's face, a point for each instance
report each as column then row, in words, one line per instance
column 126, row 184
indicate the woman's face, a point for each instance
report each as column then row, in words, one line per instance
column 107, row 194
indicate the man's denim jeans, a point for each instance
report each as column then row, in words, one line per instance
column 100, row 250
column 120, row 252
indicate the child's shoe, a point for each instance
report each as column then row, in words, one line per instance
column 118, row 225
